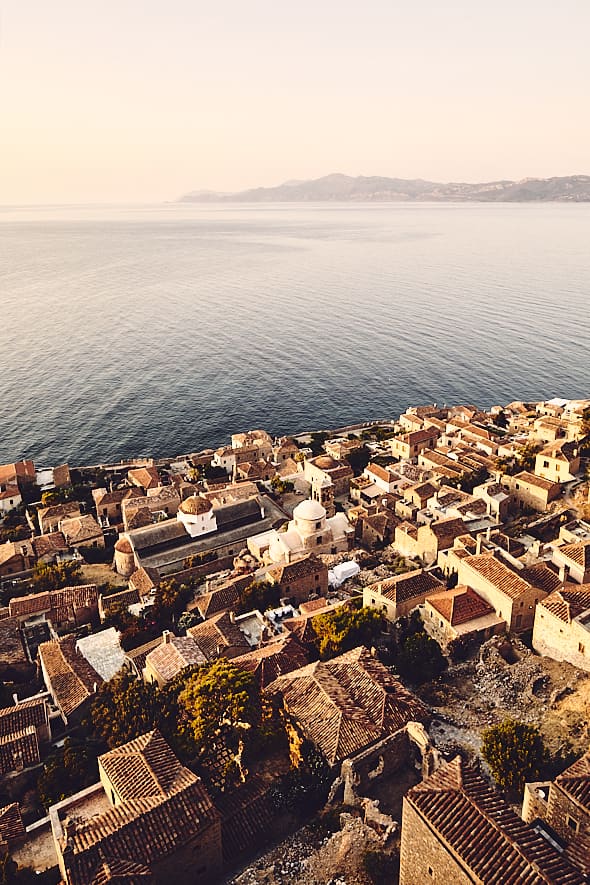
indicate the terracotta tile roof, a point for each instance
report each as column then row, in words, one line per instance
column 313, row 605
column 123, row 872
column 542, row 577
column 71, row 678
column 297, row 569
column 562, row 450
column 58, row 511
column 147, row 477
column 247, row 815
column 12, row 651
column 145, row 580
column 575, row 780
column 9, row 492
column 569, row 602
column 460, row 605
column 21, row 716
column 172, row 656
column 55, row 602
column 273, row 660
column 219, row 636
column 475, row 824
column 446, row 530
column 103, row 498
column 11, row 823
column 80, row 528
column 19, row 750
column 136, row 656
column 381, row 472
column 49, row 545
column 579, row 553
column 225, row 597
column 498, row 574
column 345, row 704
column 402, row 588
column 164, row 806
column 533, row 480
column 145, row 767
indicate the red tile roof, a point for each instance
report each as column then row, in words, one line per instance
column 498, row 574
column 569, row 602
column 345, row 704
column 475, row 825
column 460, row 605
column 402, row 588
column 163, row 807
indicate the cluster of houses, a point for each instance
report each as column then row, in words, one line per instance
column 478, row 508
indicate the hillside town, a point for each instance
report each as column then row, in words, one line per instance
column 357, row 656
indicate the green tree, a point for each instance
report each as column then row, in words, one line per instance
column 419, row 658
column 67, row 771
column 222, row 704
column 346, row 628
column 358, row 459
column 515, row 753
column 170, row 602
column 53, row 577
column 259, row 595
column 123, row 708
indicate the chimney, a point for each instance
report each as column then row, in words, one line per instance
column 232, row 617
column 563, row 573
column 478, row 545
column 166, row 636
column 489, row 533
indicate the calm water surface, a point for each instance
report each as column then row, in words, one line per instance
column 163, row 329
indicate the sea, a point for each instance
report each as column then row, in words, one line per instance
column 163, row 329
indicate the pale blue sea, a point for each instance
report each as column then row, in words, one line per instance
column 163, row 329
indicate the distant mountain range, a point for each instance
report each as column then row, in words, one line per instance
column 570, row 188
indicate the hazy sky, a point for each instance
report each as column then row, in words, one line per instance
column 121, row 100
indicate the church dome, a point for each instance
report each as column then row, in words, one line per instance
column 195, row 505
column 325, row 462
column 310, row 510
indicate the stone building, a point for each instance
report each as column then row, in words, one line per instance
column 559, row 461
column 573, row 561
column 460, row 614
column 108, row 505
column 49, row 518
column 309, row 530
column 155, row 822
column 70, row 679
column 398, row 595
column 562, row 626
column 171, row 656
column 410, row 445
column 513, row 599
column 325, row 469
column 300, row 578
column 427, row 541
column 344, row 705
column 456, row 830
column 529, row 490
column 565, row 805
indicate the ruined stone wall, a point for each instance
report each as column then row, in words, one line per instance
column 533, row 805
column 382, row 759
column 423, row 858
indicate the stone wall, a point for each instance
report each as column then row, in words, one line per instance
column 534, row 806
column 382, row 759
column 423, row 858
column 562, row 642
column 565, row 816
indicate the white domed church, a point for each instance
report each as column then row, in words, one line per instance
column 309, row 530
